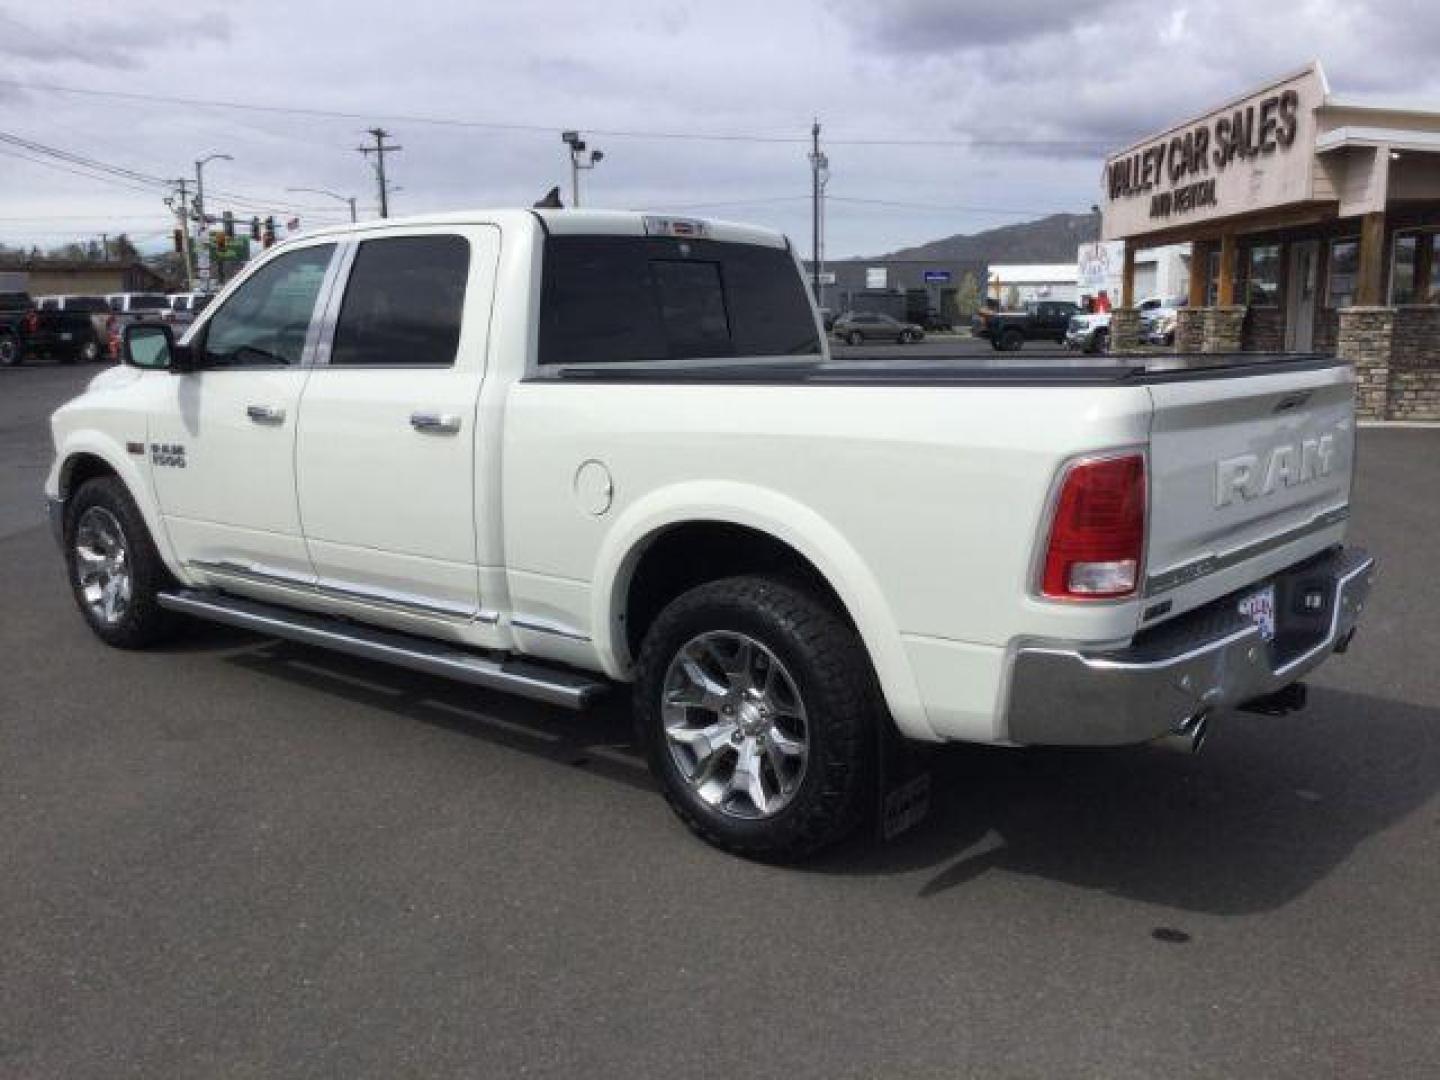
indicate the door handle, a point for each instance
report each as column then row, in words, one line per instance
column 265, row 414
column 437, row 423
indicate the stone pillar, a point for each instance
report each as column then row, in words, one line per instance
column 1224, row 329
column 1124, row 330
column 1366, row 339
column 1413, row 392
column 1190, row 330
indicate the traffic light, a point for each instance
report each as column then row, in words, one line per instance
column 255, row 229
column 228, row 224
column 219, row 239
column 179, row 240
column 269, row 237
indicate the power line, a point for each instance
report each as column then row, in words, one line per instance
column 248, row 203
column 962, row 143
column 128, row 185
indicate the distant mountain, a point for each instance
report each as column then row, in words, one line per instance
column 1050, row 239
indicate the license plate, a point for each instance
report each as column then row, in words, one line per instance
column 1259, row 608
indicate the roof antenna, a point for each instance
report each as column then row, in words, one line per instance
column 551, row 200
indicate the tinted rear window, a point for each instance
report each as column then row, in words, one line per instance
column 149, row 302
column 613, row 299
column 86, row 303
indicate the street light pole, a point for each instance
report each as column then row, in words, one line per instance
column 819, row 177
column 203, row 257
column 577, row 154
column 350, row 199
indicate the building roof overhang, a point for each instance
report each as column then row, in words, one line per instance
column 1390, row 137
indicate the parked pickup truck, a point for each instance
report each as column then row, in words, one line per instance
column 26, row 331
column 1040, row 320
column 554, row 452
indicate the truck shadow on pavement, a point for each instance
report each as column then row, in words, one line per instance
column 1267, row 810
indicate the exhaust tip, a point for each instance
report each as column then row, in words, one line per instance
column 1189, row 737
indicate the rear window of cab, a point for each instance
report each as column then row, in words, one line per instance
column 623, row 299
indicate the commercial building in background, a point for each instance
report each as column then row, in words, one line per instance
column 904, row 288
column 1162, row 271
column 1314, row 225
column 84, row 277
column 1017, row 283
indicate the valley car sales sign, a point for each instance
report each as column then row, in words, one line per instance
column 1251, row 154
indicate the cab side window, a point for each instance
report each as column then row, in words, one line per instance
column 403, row 304
column 266, row 320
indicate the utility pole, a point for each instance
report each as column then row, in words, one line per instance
column 819, row 176
column 182, row 215
column 380, row 150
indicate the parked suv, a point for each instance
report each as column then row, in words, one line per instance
column 854, row 328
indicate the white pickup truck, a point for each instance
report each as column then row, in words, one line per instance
column 547, row 452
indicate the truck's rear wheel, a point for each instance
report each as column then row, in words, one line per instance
column 756, row 707
column 115, row 572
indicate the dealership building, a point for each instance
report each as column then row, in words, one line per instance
column 1313, row 223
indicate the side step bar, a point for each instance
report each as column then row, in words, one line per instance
column 557, row 687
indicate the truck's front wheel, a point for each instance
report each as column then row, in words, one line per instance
column 756, row 707
column 115, row 572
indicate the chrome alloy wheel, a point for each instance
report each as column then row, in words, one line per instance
column 735, row 724
column 102, row 565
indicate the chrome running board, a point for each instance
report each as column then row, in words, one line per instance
column 574, row 690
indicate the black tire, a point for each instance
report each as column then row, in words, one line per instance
column 12, row 353
column 90, row 351
column 832, row 676
column 855, row 337
column 1012, row 340
column 143, row 622
column 1100, row 343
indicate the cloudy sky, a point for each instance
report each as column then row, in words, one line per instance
column 939, row 116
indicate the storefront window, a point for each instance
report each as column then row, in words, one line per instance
column 1261, row 269
column 1415, row 268
column 1344, row 269
column 1432, row 292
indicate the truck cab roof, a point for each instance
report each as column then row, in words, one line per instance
column 577, row 222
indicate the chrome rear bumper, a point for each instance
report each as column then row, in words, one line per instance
column 1208, row 659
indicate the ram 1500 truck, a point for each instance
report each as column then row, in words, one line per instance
column 548, row 452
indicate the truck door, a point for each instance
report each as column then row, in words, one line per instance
column 222, row 446
column 385, row 460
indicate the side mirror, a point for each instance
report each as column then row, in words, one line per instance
column 152, row 347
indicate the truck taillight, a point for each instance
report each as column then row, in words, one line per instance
column 1097, row 535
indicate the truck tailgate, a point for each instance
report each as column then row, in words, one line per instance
column 1249, row 473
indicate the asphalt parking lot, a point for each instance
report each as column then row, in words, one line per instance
column 239, row 858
